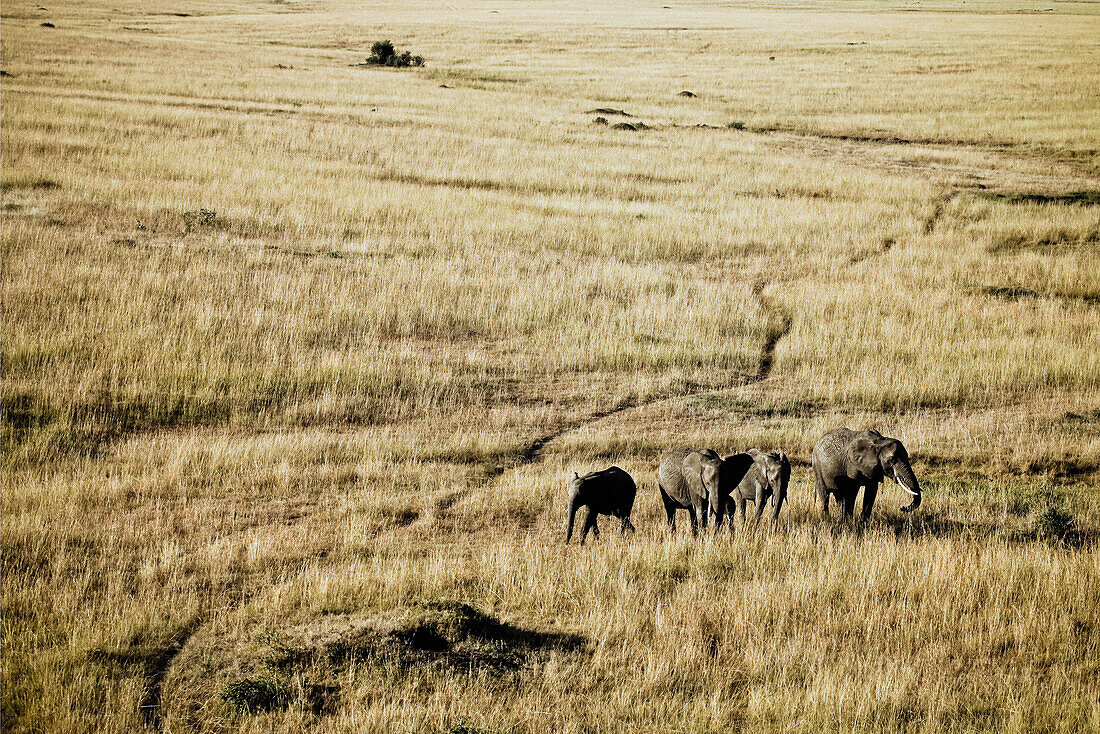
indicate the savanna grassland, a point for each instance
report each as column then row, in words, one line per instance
column 299, row 355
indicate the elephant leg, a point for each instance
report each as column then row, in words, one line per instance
column 847, row 505
column 761, row 500
column 821, row 492
column 574, row 505
column 870, row 492
column 777, row 504
column 741, row 511
column 590, row 524
column 627, row 525
column 719, row 516
column 670, row 509
column 694, row 521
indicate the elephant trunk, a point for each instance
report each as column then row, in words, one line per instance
column 903, row 475
column 574, row 505
column 780, row 492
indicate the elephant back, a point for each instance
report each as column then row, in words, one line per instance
column 610, row 491
column 832, row 445
column 611, row 478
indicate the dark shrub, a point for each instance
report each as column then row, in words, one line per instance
column 382, row 53
column 1053, row 522
column 251, row 695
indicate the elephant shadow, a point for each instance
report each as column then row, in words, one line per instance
column 934, row 524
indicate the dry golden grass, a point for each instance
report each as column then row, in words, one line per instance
column 245, row 451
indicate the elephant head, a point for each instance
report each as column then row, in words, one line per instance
column 775, row 472
column 878, row 457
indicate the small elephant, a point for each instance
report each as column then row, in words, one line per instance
column 692, row 479
column 845, row 461
column 607, row 492
column 767, row 477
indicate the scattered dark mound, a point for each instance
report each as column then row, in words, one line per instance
column 303, row 666
column 599, row 121
column 1011, row 292
column 608, row 111
column 5, row 74
column 1057, row 239
column 1080, row 198
column 687, row 93
column 1017, row 293
column 630, row 126
column 47, row 25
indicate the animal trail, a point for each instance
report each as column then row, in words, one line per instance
column 780, row 325
column 533, row 451
column 939, row 205
column 775, row 332
column 884, row 248
column 150, row 706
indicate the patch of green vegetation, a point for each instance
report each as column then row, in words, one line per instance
column 1053, row 522
column 253, row 695
column 463, row 726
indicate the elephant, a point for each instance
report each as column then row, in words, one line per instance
column 692, row 479
column 766, row 478
column 844, row 461
column 607, row 492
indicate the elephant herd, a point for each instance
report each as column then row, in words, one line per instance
column 704, row 483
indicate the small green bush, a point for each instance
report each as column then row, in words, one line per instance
column 382, row 53
column 251, row 695
column 1053, row 522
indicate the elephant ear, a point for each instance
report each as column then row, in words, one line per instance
column 863, row 456
column 735, row 467
column 784, row 471
column 693, row 474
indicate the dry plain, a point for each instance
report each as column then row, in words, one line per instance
column 298, row 357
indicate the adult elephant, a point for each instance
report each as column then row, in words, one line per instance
column 766, row 478
column 692, row 479
column 845, row 461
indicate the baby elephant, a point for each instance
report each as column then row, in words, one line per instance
column 607, row 492
column 766, row 479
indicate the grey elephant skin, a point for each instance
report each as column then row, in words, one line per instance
column 845, row 461
column 765, row 479
column 607, row 492
column 691, row 479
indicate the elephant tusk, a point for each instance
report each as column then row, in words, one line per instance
column 915, row 494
